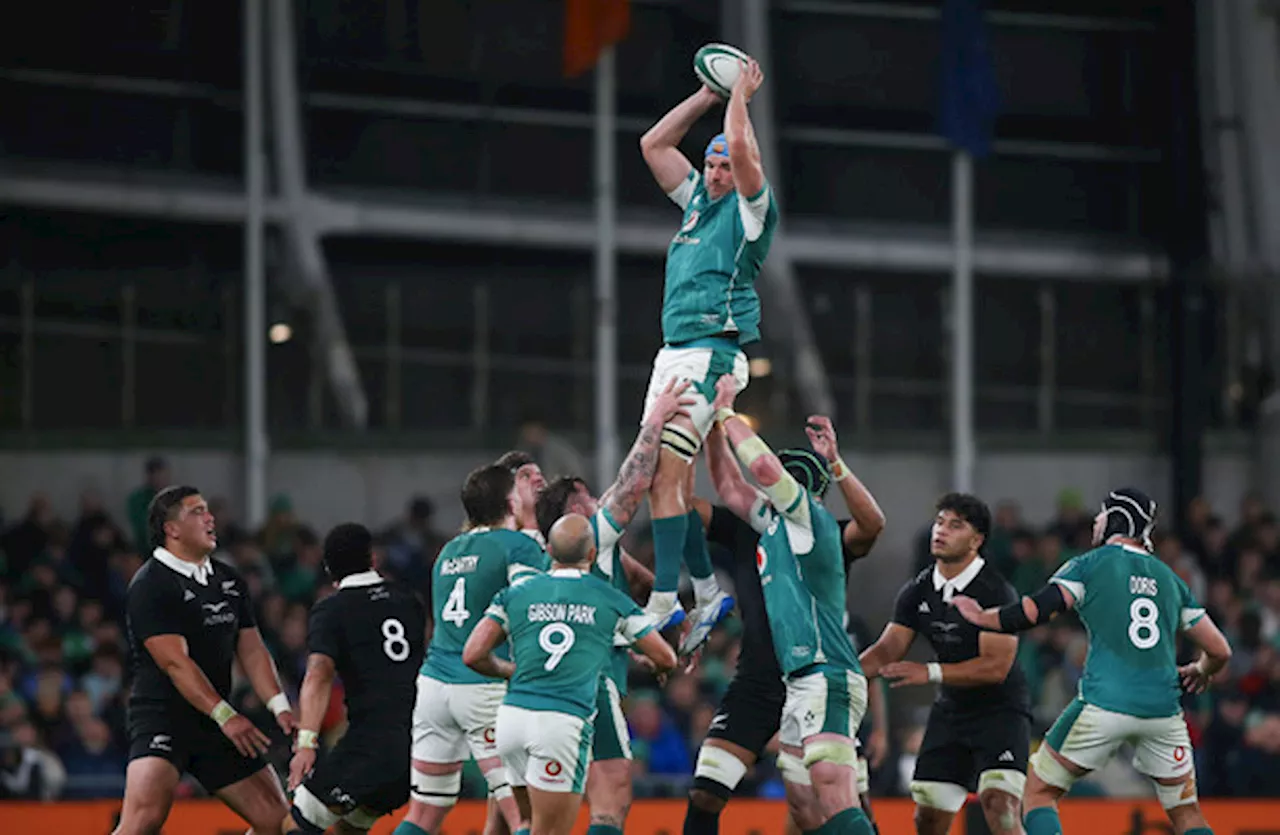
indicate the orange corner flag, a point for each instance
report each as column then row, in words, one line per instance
column 590, row 26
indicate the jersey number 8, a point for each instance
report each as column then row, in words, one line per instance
column 1144, row 631
column 556, row 639
column 394, row 643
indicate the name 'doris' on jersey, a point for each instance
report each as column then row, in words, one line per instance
column 459, row 565
column 568, row 612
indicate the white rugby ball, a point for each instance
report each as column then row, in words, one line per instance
column 718, row 65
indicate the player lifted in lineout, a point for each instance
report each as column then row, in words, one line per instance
column 1133, row 607
column 710, row 309
column 563, row 626
column 802, row 575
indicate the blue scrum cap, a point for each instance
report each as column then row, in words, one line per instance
column 718, row 147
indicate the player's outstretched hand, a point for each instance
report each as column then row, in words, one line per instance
column 749, row 79
column 1193, row 678
column 286, row 722
column 904, row 673
column 968, row 608
column 304, row 759
column 672, row 402
column 822, row 437
column 249, row 741
column 726, row 392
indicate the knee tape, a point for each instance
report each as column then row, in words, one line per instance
column 946, row 797
column 831, row 751
column 1051, row 771
column 719, row 766
column 1179, row 795
column 1004, row 780
column 683, row 442
column 437, row 789
column 793, row 769
column 499, row 785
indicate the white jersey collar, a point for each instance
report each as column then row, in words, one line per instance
column 958, row 582
column 363, row 578
column 198, row 571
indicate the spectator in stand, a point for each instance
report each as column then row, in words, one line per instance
column 410, row 547
column 156, row 474
column 25, row 541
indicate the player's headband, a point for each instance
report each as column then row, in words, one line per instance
column 1130, row 513
column 717, row 147
column 809, row 469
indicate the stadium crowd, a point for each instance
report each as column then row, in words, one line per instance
column 63, row 673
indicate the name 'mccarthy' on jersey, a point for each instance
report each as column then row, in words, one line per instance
column 471, row 569
column 562, row 627
column 608, row 567
column 802, row 575
column 373, row 630
column 713, row 261
column 1133, row 606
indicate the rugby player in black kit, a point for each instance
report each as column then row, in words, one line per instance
column 372, row 634
column 188, row 618
column 751, row 709
column 978, row 733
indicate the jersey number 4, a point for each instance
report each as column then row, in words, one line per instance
column 455, row 608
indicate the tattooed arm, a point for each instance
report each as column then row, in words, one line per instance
column 636, row 473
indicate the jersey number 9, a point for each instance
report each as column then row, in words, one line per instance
column 556, row 639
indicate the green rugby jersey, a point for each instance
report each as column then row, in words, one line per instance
column 562, row 626
column 608, row 567
column 1133, row 607
column 801, row 564
column 713, row 261
column 471, row 569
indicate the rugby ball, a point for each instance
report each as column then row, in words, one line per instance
column 717, row 65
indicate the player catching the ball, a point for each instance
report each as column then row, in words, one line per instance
column 710, row 309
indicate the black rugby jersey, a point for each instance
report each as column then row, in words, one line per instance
column 924, row 605
column 374, row 631
column 207, row 604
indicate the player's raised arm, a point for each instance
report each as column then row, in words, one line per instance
column 744, row 152
column 635, row 476
column 726, row 476
column 258, row 665
column 784, row 492
column 313, row 704
column 861, row 534
column 660, row 145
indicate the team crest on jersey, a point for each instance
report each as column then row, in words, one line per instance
column 691, row 222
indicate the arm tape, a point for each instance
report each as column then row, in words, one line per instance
column 1049, row 602
column 783, row 493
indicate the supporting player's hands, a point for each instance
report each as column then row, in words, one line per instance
column 822, row 437
column 304, row 759
column 726, row 392
column 968, row 608
column 249, row 741
column 749, row 79
column 672, row 403
column 905, row 673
